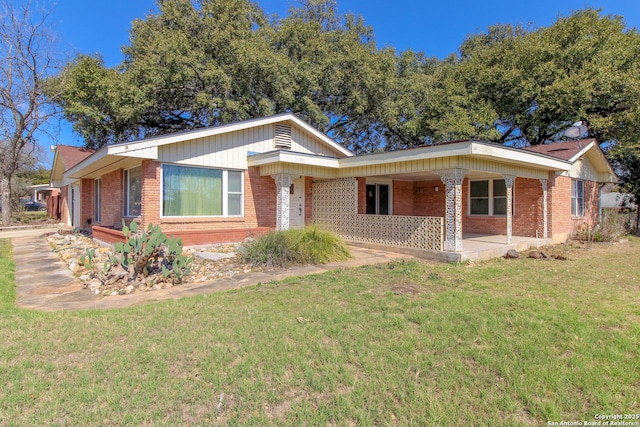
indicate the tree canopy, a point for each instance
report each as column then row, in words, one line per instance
column 207, row 62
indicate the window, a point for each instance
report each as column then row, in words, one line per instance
column 196, row 191
column 132, row 191
column 97, row 184
column 378, row 199
column 488, row 197
column 577, row 197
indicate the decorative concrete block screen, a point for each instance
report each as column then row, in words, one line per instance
column 335, row 206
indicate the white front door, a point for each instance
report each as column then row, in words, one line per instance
column 296, row 203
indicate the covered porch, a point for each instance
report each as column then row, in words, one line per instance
column 465, row 200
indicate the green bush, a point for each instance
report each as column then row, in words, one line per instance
column 611, row 228
column 310, row 245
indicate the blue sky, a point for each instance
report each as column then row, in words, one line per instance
column 435, row 28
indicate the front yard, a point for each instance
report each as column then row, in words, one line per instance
column 520, row 342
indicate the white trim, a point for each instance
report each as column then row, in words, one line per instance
column 292, row 157
column 491, row 197
column 376, row 182
column 125, row 192
column 97, row 200
column 463, row 148
column 124, row 148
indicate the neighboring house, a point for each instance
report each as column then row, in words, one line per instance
column 613, row 200
column 42, row 192
column 228, row 182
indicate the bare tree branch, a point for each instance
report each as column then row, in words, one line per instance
column 26, row 60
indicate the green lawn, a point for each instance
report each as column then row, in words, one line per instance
column 519, row 342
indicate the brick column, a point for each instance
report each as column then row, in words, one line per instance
column 545, row 223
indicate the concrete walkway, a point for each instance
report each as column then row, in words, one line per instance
column 45, row 283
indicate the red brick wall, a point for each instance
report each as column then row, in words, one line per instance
column 86, row 203
column 563, row 224
column 111, row 199
column 559, row 205
column 259, row 208
column 402, row 197
column 362, row 195
column 259, row 199
column 528, row 210
column 150, row 212
column 427, row 201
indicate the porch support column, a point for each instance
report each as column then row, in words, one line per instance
column 509, row 180
column 452, row 179
column 283, row 184
column 545, row 223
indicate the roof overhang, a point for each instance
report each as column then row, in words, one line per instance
column 470, row 148
column 283, row 156
column 100, row 163
column 597, row 158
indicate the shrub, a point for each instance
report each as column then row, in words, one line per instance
column 146, row 256
column 310, row 245
column 611, row 228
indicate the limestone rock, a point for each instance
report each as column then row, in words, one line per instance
column 512, row 254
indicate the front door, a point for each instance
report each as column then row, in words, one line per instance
column 296, row 203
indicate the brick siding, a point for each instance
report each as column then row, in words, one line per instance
column 259, row 209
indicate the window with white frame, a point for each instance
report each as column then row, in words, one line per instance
column 488, row 197
column 97, row 189
column 133, row 191
column 577, row 197
column 199, row 191
column 378, row 198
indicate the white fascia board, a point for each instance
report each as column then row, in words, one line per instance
column 598, row 160
column 150, row 153
column 124, row 148
column 516, row 155
column 294, row 158
column 581, row 152
column 421, row 153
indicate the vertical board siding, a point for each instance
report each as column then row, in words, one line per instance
column 230, row 150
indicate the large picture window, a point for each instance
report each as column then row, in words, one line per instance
column 488, row 197
column 132, row 191
column 196, row 191
column 577, row 197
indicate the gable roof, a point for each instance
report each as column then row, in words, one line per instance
column 71, row 156
column 573, row 151
column 565, row 150
column 126, row 154
column 65, row 158
column 154, row 142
